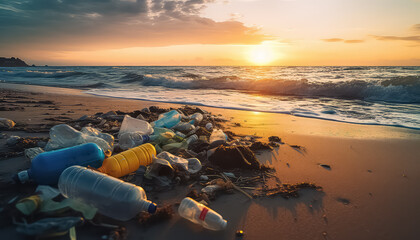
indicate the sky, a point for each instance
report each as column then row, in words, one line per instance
column 211, row 32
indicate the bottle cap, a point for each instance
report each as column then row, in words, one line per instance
column 152, row 208
column 21, row 177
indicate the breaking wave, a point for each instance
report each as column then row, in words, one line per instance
column 399, row 89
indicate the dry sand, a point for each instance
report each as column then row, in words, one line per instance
column 371, row 191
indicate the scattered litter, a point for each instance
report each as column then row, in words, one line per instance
column 201, row 214
column 6, row 124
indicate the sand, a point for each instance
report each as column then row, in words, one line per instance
column 371, row 191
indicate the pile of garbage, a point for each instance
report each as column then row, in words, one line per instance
column 105, row 168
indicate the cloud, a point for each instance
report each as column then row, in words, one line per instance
column 342, row 40
column 410, row 39
column 416, row 28
column 112, row 24
column 414, row 39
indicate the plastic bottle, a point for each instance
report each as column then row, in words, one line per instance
column 200, row 214
column 128, row 161
column 168, row 119
column 111, row 196
column 184, row 127
column 196, row 118
column 180, row 145
column 46, row 167
column 129, row 140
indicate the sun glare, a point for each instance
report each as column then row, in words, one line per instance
column 262, row 54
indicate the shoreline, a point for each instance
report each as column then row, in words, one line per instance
column 391, row 131
column 369, row 192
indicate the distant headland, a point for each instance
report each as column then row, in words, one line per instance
column 12, row 62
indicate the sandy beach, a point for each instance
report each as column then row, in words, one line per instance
column 370, row 192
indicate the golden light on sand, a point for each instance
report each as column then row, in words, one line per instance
column 262, row 54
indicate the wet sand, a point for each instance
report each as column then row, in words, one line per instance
column 369, row 193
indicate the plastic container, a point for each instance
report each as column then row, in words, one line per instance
column 168, row 119
column 174, row 147
column 111, row 196
column 184, row 127
column 132, row 139
column 196, row 118
column 217, row 135
column 200, row 214
column 46, row 167
column 130, row 125
column 128, row 161
column 62, row 136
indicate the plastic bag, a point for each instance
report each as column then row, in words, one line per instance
column 130, row 124
column 62, row 136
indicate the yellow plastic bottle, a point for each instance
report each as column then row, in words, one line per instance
column 128, row 161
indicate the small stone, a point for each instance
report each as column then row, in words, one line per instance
column 328, row 167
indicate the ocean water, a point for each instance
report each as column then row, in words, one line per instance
column 363, row 95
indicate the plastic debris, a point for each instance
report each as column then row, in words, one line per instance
column 31, row 153
column 218, row 135
column 47, row 166
column 130, row 125
column 200, row 214
column 128, row 161
column 123, row 200
column 6, row 123
column 62, row 136
column 192, row 165
column 48, row 226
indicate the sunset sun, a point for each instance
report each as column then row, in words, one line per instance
column 262, row 54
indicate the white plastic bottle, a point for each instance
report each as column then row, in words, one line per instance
column 200, row 214
column 111, row 196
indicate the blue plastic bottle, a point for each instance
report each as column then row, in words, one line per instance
column 47, row 166
column 168, row 119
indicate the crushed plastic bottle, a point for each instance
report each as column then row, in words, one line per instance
column 130, row 125
column 200, row 214
column 62, row 136
column 174, row 147
column 184, row 127
column 192, row 165
column 111, row 196
column 168, row 119
column 128, row 161
column 218, row 135
column 96, row 133
column 46, row 167
column 129, row 140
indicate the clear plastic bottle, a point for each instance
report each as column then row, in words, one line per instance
column 196, row 118
column 111, row 196
column 200, row 214
column 129, row 140
column 130, row 124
